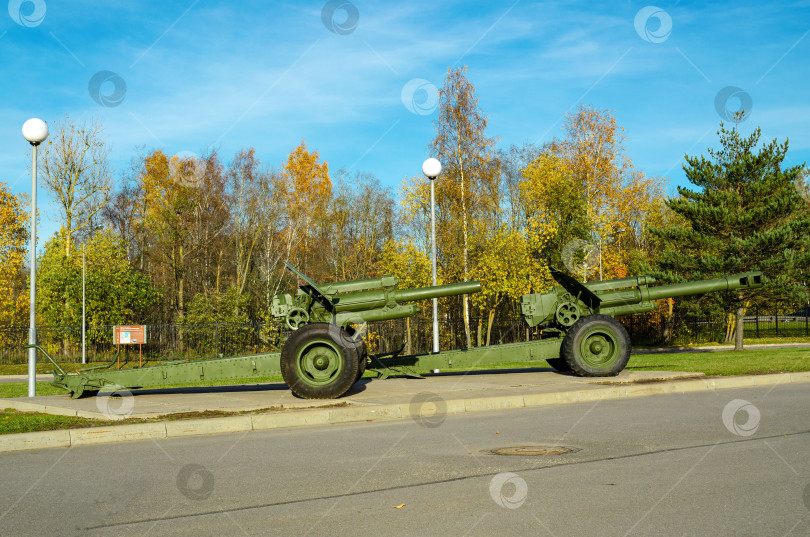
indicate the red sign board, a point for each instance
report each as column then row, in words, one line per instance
column 129, row 334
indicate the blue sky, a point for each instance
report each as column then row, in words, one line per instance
column 356, row 80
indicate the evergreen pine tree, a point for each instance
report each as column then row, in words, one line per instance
column 746, row 213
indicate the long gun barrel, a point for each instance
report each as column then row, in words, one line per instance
column 572, row 299
column 357, row 301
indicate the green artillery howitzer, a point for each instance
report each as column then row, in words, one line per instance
column 325, row 354
column 593, row 342
column 322, row 358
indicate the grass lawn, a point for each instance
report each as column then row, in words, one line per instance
column 748, row 362
column 15, row 421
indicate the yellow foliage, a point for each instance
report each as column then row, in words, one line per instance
column 509, row 267
column 13, row 237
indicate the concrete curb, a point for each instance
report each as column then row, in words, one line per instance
column 355, row 414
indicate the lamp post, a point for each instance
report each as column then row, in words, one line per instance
column 35, row 131
column 432, row 168
column 600, row 249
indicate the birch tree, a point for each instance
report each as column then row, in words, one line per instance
column 76, row 171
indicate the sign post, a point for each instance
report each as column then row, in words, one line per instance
column 130, row 335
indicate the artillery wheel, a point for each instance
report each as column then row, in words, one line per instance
column 362, row 351
column 559, row 364
column 319, row 361
column 596, row 346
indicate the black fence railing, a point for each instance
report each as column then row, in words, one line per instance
column 653, row 329
column 415, row 335
column 163, row 342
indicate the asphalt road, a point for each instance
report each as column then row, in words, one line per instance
column 732, row 462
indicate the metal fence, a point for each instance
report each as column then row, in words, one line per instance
column 164, row 342
column 415, row 335
column 658, row 330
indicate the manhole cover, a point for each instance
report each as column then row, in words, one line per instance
column 530, row 451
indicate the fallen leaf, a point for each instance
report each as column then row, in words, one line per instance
column 497, row 432
column 400, row 506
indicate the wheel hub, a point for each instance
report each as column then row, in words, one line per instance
column 598, row 348
column 320, row 363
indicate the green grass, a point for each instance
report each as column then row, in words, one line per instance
column 748, row 341
column 14, row 421
column 747, row 362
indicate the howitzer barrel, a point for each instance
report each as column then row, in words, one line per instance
column 449, row 289
column 369, row 300
column 745, row 280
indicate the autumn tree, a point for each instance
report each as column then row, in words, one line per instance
column 554, row 198
column 411, row 266
column 304, row 189
column 512, row 163
column 13, row 237
column 745, row 213
column 615, row 200
column 185, row 215
column 468, row 188
column 248, row 196
column 362, row 222
column 76, row 171
column 115, row 292
column 510, row 266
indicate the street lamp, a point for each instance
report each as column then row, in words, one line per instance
column 432, row 168
column 35, row 131
column 600, row 249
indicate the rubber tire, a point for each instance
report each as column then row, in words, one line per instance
column 608, row 327
column 362, row 361
column 310, row 334
column 362, row 353
column 559, row 364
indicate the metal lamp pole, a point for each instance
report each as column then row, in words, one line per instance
column 35, row 131
column 84, row 304
column 432, row 168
